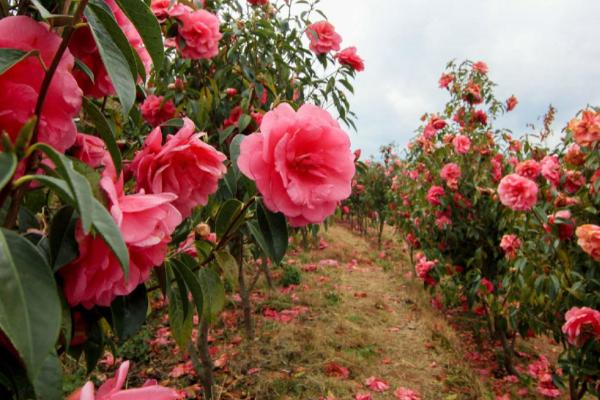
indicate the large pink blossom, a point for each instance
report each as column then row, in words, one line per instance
column 450, row 173
column 198, row 33
column 588, row 238
column 301, row 162
column 349, row 57
column 517, row 192
column 529, row 169
column 146, row 223
column 433, row 195
column 581, row 325
column 551, row 169
column 184, row 165
column 323, row 37
column 112, row 389
column 462, row 144
column 20, row 85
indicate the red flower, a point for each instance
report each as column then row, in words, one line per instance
column 349, row 57
column 156, row 110
column 323, row 37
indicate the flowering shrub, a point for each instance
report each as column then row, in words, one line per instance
column 129, row 164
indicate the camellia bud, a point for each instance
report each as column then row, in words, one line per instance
column 203, row 230
column 231, row 92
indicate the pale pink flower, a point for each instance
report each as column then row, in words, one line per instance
column 588, row 238
column 462, row 144
column 517, row 192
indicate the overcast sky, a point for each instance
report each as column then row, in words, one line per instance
column 542, row 51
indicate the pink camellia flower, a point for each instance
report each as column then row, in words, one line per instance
column 497, row 169
column 588, row 238
column 551, row 169
column 376, row 384
column 345, row 210
column 363, row 396
column 433, row 195
column 581, row 325
column 517, row 193
column 112, row 389
column 422, row 268
column 529, row 169
column 446, row 80
column 403, row 393
column 479, row 116
column 184, row 165
column 323, row 37
column 230, row 92
column 510, row 244
column 301, row 162
column 442, row 220
column 156, row 110
column 20, row 84
column 198, row 32
column 91, row 150
column 573, row 181
column 146, row 223
column 462, row 144
column 473, row 93
column 450, row 173
column 586, row 130
column 511, row 103
column 480, row 67
column 160, row 9
column 349, row 57
column 566, row 225
column 258, row 2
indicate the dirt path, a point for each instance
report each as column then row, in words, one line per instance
column 364, row 313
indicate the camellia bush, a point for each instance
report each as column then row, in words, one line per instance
column 506, row 228
column 144, row 148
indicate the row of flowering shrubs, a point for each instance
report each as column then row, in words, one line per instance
column 506, row 229
column 142, row 147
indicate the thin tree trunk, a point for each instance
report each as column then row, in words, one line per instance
column 265, row 269
column 206, row 375
column 244, row 291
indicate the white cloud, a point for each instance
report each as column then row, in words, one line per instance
column 543, row 51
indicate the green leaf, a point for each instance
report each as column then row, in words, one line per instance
column 181, row 323
column 85, row 69
column 111, row 234
column 115, row 52
column 259, row 238
column 147, row 26
column 228, row 264
column 234, row 149
column 213, row 293
column 48, row 383
column 274, row 229
column 80, row 187
column 8, row 165
column 105, row 130
column 63, row 246
column 129, row 313
column 30, row 311
column 243, row 122
column 9, row 57
column 184, row 267
column 229, row 215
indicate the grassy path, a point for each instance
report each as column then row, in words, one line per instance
column 364, row 314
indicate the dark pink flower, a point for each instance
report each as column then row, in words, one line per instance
column 323, row 37
column 349, row 57
column 529, row 169
column 581, row 325
column 301, row 162
column 198, row 33
column 184, row 165
column 156, row 110
column 433, row 195
column 517, row 192
column 20, row 84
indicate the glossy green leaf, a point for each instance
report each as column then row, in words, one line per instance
column 105, row 130
column 213, row 293
column 48, row 382
column 9, row 57
column 129, row 313
column 228, row 264
column 259, row 238
column 30, row 311
column 63, row 246
column 184, row 267
column 274, row 229
column 115, row 52
column 228, row 218
column 80, row 187
column 147, row 26
column 181, row 323
column 8, row 165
